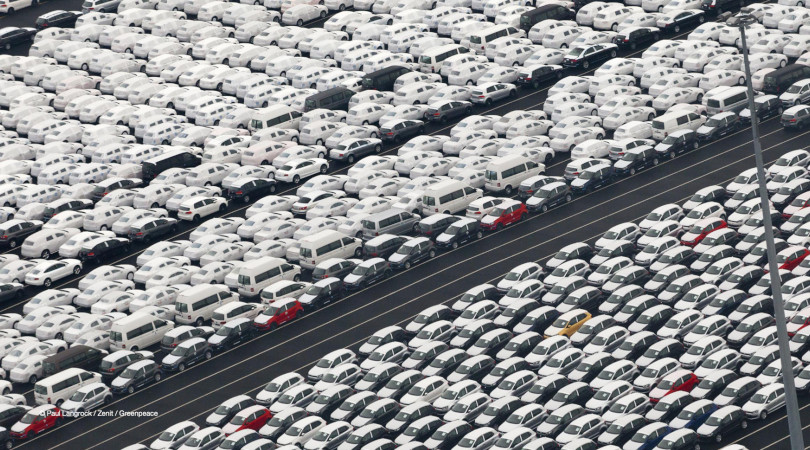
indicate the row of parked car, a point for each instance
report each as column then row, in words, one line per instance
column 658, row 335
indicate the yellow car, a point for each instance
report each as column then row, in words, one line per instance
column 568, row 324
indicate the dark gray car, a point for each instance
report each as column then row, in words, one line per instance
column 444, row 111
column 13, row 232
column 549, row 196
column 796, row 117
column 398, row 130
column 352, row 149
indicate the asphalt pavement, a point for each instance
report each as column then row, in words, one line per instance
column 296, row 346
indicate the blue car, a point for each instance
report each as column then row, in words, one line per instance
column 694, row 414
column 593, row 178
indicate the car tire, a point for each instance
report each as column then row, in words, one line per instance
column 656, row 161
column 47, row 282
column 246, row 199
column 508, row 190
column 296, row 179
column 454, row 245
column 324, row 168
column 208, row 355
column 196, row 218
column 181, row 367
column 544, row 208
column 131, row 390
column 33, row 379
column 488, row 102
column 677, row 28
column 46, row 254
column 199, row 322
column 479, row 234
column 377, row 148
column 12, row 243
column 632, row 171
column 763, row 415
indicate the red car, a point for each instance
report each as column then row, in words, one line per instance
column 278, row 313
column 798, row 322
column 791, row 257
column 37, row 420
column 250, row 418
column 679, row 380
column 507, row 213
column 701, row 229
column 798, row 204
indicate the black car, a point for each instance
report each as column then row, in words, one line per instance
column 767, row 106
column 448, row 435
column 232, row 333
column 136, row 375
column 58, row 18
column 66, row 205
column 11, row 414
column 150, row 229
column 587, row 370
column 535, row 75
column 530, row 186
column 620, row 431
column 636, row 159
column 412, row 252
column 11, row 36
column 398, row 130
column 245, row 188
column 588, row 55
column 549, row 196
column 666, row 348
column 677, row 142
column 444, row 111
column 460, row 232
column 681, row 19
column 636, row 36
column 383, row 246
column 111, row 184
column 186, row 354
column 321, row 294
column 14, row 231
column 498, row 411
column 593, row 178
column 469, row 334
column 111, row 366
column 718, row 6
column 368, row 272
column 718, row 125
column 635, row 345
column 669, row 407
column 723, row 421
column 352, row 149
column 474, row 368
column 433, row 226
column 99, row 250
column 11, row 291
column 787, row 193
column 543, row 389
column 336, row 268
column 5, row 438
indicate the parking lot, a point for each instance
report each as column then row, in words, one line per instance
column 246, row 367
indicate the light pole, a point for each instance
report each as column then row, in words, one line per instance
column 792, row 403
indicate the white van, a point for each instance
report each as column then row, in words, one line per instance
column 196, row 305
column 726, row 98
column 328, row 244
column 57, row 388
column 674, row 121
column 432, row 60
column 276, row 116
column 448, row 197
column 137, row 331
column 506, row 173
column 259, row 273
column 479, row 39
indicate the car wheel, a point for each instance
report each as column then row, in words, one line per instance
column 741, row 81
column 324, row 168
column 46, row 254
column 632, row 46
column 508, row 190
column 479, row 234
column 33, row 379
column 656, row 161
column 59, row 336
column 677, row 28
column 223, row 207
column 181, row 367
column 47, row 282
column 12, row 243
column 299, row 22
column 208, row 355
column 632, row 171
column 358, row 252
column 454, row 244
column 296, row 179
column 488, row 102
column 196, row 218
column 131, row 390
column 544, row 208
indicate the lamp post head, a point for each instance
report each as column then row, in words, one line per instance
column 743, row 20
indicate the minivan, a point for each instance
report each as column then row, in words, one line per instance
column 59, row 387
column 137, row 331
column 383, row 246
column 383, row 79
column 197, row 304
column 257, row 274
column 506, row 173
column 670, row 122
column 433, row 59
column 392, row 221
column 79, row 356
column 336, row 98
column 275, row 116
column 725, row 99
column 186, row 354
column 448, row 197
column 328, row 244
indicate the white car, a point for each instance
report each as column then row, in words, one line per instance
column 300, row 14
column 47, row 272
column 295, row 170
